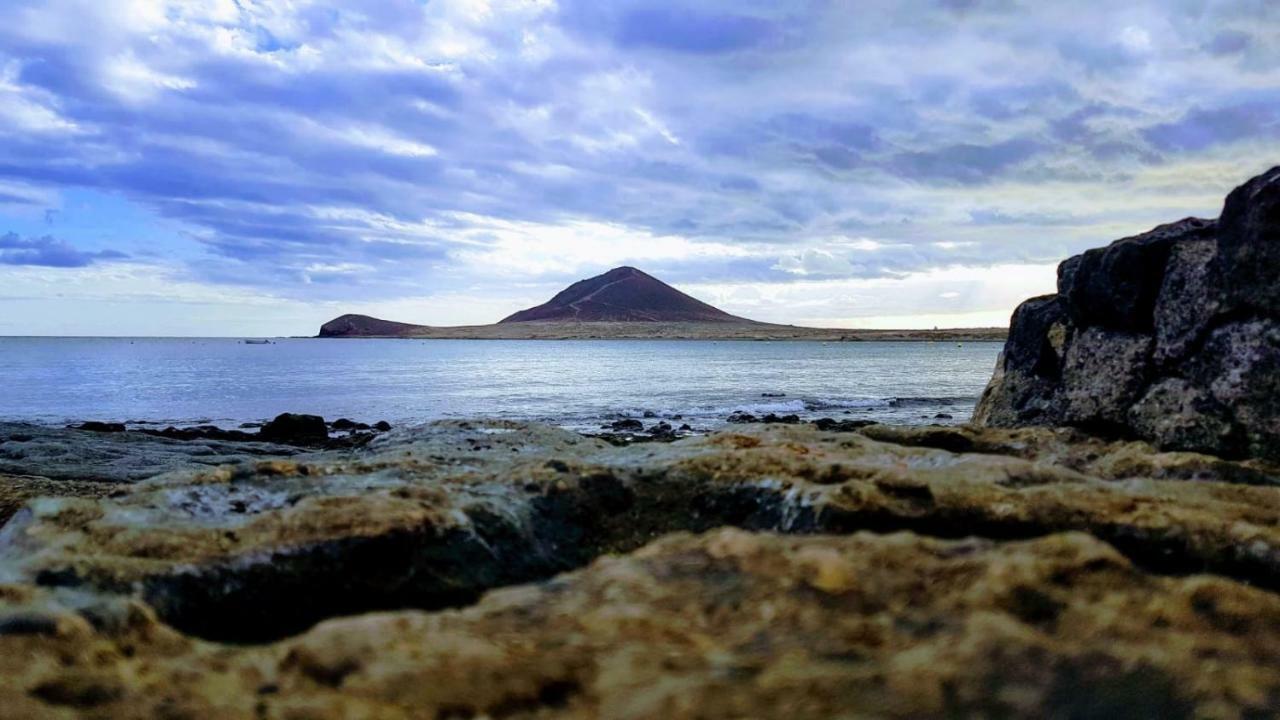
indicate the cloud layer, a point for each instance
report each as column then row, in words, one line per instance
column 393, row 151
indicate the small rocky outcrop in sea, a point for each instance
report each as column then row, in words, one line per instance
column 1172, row 336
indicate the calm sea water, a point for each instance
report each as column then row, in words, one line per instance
column 577, row 384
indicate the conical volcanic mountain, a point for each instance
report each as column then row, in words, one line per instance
column 628, row 303
column 623, row 294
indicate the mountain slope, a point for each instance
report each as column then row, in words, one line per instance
column 623, row 294
column 364, row 326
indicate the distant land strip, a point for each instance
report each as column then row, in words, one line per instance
column 360, row 326
column 626, row 303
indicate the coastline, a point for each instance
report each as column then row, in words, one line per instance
column 676, row 331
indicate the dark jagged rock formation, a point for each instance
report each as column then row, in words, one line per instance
column 1172, row 336
column 623, row 294
column 363, row 326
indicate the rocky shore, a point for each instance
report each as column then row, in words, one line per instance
column 1103, row 541
column 919, row 571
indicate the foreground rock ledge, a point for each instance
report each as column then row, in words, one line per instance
column 1016, row 573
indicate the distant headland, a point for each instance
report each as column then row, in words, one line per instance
column 627, row 303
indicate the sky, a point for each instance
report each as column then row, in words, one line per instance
column 256, row 167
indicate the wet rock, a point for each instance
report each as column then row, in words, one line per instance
column 943, row 416
column 95, row 426
column 741, row 418
column 348, row 425
column 201, row 432
column 626, row 425
column 773, row 395
column 1170, row 336
column 650, row 414
column 833, row 425
column 295, row 429
column 662, row 428
column 382, row 426
column 69, row 454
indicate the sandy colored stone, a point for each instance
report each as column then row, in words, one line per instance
column 924, row 572
column 724, row 625
column 16, row 491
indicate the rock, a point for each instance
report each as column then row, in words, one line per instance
column 1248, row 256
column 95, row 426
column 739, row 417
column 201, row 432
column 1188, row 301
column 1116, row 287
column 382, row 426
column 998, row 581
column 1025, row 387
column 117, row 457
column 295, row 429
column 650, row 414
column 1177, row 415
column 1103, row 374
column 1172, row 336
column 662, row 430
column 16, row 491
column 943, row 416
column 773, row 394
column 627, row 425
column 347, row 424
column 833, row 425
column 1240, row 366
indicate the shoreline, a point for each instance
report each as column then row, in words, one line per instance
column 753, row 332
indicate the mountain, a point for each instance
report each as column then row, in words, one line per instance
column 364, row 326
column 623, row 294
column 628, row 303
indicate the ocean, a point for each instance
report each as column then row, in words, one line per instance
column 579, row 384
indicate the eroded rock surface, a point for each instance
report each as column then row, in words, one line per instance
column 905, row 572
column 116, row 456
column 1172, row 336
column 724, row 625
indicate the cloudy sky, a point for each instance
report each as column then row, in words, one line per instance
column 234, row 167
